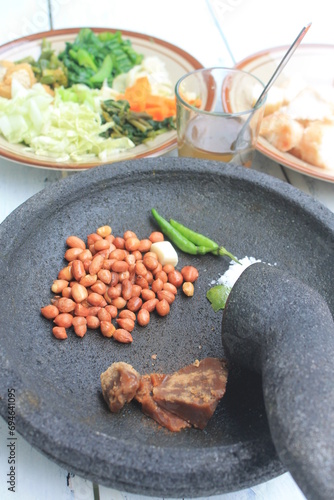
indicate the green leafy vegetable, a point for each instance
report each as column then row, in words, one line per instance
column 92, row 58
column 217, row 295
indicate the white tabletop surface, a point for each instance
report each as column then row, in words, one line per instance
column 240, row 28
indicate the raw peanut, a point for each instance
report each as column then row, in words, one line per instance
column 111, row 239
column 143, row 317
column 72, row 254
column 168, row 268
column 125, row 313
column 119, row 242
column 85, row 255
column 65, row 273
column 65, row 305
column 127, row 323
column 81, row 310
column 59, row 285
column 107, row 263
column 142, row 282
column 99, row 287
column 136, row 290
column 157, row 269
column 170, row 288
column 162, row 307
column 114, row 279
column 119, row 266
column 103, row 231
column 122, row 336
column 104, row 275
column 150, row 304
column 189, row 273
column 130, row 259
column 112, row 310
column 140, row 268
column 149, row 277
column 119, row 302
column 114, row 292
column 64, row 319
column 134, row 304
column 93, row 322
column 95, row 299
column 86, row 264
column 188, row 288
column 164, row 294
column 107, row 328
column 147, row 294
column 137, row 255
column 103, row 315
column 126, row 289
column 101, row 245
column 67, row 292
column 80, row 326
column 156, row 236
column 150, row 261
column 107, row 298
column 129, row 234
column 88, row 280
column 78, row 270
column 50, row 311
column 75, row 242
column 118, row 254
column 161, row 275
column 157, row 285
column 96, row 264
column 175, row 278
column 91, row 248
column 125, row 275
column 93, row 310
column 79, row 293
column 54, row 300
column 91, row 238
column 132, row 244
column 145, row 245
column 59, row 332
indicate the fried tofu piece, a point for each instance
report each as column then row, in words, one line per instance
column 316, row 145
column 21, row 72
column 281, row 130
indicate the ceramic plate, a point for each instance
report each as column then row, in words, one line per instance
column 177, row 62
column 59, row 406
column 315, row 64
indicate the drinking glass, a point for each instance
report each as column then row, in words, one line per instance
column 216, row 118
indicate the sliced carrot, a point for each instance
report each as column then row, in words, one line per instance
column 140, row 98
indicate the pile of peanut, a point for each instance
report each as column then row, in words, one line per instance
column 113, row 280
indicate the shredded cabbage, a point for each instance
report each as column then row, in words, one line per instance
column 67, row 127
column 23, row 116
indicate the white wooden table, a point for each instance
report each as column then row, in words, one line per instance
column 240, row 27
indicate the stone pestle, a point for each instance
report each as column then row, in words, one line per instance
column 275, row 324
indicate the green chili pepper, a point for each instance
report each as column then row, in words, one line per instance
column 189, row 241
column 222, row 251
column 175, row 236
column 197, row 238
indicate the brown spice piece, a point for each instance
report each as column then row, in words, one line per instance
column 152, row 409
column 177, row 401
column 193, row 392
column 119, row 383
